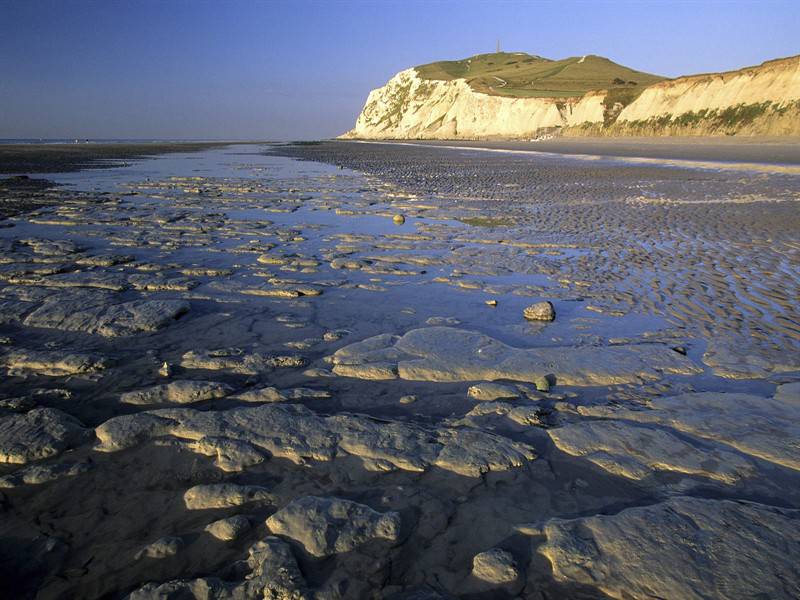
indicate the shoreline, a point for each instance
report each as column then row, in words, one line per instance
column 756, row 150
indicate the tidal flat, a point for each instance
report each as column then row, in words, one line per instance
column 297, row 371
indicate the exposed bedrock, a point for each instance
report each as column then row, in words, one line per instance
column 325, row 526
column 690, row 548
column 244, row 436
column 766, row 428
column 37, row 434
column 449, row 354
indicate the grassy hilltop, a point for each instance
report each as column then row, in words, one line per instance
column 521, row 75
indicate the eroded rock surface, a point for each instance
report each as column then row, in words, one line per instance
column 685, row 547
column 161, row 548
column 325, row 526
column 52, row 363
column 495, row 566
column 273, row 574
column 223, row 495
column 766, row 428
column 108, row 320
column 636, row 452
column 177, row 392
column 229, row 529
column 448, row 354
column 294, row 432
column 237, row 361
column 37, row 434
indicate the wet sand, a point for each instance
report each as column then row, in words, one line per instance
column 758, row 150
column 232, row 373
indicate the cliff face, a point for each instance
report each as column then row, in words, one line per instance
column 409, row 107
column 776, row 81
column 762, row 100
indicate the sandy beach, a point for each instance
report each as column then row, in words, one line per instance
column 357, row 370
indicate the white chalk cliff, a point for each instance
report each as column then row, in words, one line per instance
column 761, row 99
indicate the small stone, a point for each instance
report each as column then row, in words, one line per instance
column 488, row 392
column 491, row 302
column 408, row 399
column 399, row 219
column 161, row 548
column 541, row 311
column 495, row 566
column 165, row 370
column 542, row 384
column 229, row 529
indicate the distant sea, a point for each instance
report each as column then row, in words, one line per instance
column 94, row 141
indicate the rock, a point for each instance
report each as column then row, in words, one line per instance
column 91, row 279
column 237, row 361
column 165, row 370
column 408, row 399
column 224, row 495
column 39, row 474
column 766, row 428
column 108, row 320
column 399, row 219
column 689, row 548
column 542, row 384
column 449, row 354
column 325, row 526
column 541, row 311
column 488, row 392
column 734, row 359
column 491, row 303
column 495, row 566
column 265, row 394
column 52, row 363
column 37, row 434
column 229, row 529
column 230, row 454
column 521, row 415
column 636, row 452
column 241, row 436
column 372, row 372
column 177, row 392
column 273, row 575
column 161, row 548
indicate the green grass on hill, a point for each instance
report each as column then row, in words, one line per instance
column 521, row 75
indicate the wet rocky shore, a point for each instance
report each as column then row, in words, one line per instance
column 306, row 371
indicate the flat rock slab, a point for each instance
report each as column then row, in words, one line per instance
column 52, row 363
column 108, row 320
column 242, row 436
column 637, row 451
column 767, row 428
column 237, row 361
column 177, row 392
column 37, row 434
column 689, row 548
column 224, row 495
column 445, row 354
column 325, row 526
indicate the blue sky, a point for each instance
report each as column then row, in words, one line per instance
column 299, row 70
